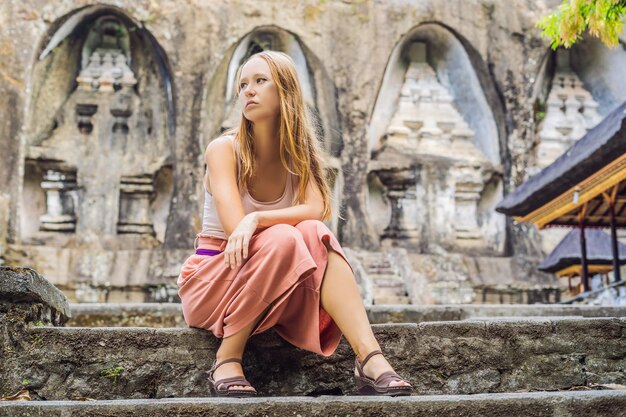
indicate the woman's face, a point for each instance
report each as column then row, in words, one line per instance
column 257, row 91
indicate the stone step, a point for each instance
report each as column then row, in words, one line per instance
column 377, row 262
column 170, row 314
column 388, row 292
column 529, row 404
column 388, row 281
column 391, row 300
column 463, row 357
column 381, row 270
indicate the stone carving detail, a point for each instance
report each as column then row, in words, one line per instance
column 61, row 200
column 401, row 185
column 121, row 110
column 84, row 112
column 134, row 212
column 101, row 132
column 570, row 112
column 107, row 69
column 428, row 142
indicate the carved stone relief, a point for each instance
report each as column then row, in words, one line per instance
column 433, row 171
column 61, row 201
column 110, row 130
column 570, row 112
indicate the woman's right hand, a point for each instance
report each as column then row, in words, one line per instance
column 237, row 247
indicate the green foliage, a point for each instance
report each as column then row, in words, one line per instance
column 603, row 19
column 25, row 381
column 114, row 373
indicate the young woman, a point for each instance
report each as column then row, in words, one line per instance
column 264, row 259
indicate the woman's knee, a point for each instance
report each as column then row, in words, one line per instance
column 283, row 236
column 311, row 226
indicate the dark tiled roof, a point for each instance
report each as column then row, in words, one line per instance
column 600, row 146
column 567, row 253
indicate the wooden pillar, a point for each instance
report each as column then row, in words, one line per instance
column 616, row 272
column 583, row 251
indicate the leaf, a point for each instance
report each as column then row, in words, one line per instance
column 22, row 395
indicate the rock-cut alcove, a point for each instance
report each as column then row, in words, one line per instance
column 435, row 174
column 575, row 89
column 99, row 149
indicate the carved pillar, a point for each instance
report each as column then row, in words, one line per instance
column 84, row 113
column 401, row 192
column 60, row 188
column 134, row 213
column 466, row 196
column 121, row 110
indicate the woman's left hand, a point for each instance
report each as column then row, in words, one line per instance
column 237, row 247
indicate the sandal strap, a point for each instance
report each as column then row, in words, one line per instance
column 217, row 365
column 367, row 358
column 386, row 378
column 360, row 366
column 226, row 383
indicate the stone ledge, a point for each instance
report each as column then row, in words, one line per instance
column 170, row 314
column 465, row 357
column 587, row 403
column 37, row 299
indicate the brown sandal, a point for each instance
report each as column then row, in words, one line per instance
column 380, row 386
column 221, row 388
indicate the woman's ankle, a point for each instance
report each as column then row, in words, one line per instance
column 361, row 351
column 222, row 357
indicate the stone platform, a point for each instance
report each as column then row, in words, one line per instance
column 466, row 357
column 488, row 365
column 548, row 404
column 170, row 314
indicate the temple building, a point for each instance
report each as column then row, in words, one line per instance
column 584, row 188
column 428, row 117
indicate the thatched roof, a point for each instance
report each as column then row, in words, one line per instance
column 600, row 146
column 567, row 253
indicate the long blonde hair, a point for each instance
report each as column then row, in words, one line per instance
column 296, row 136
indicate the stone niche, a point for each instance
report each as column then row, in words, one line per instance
column 570, row 111
column 317, row 88
column 99, row 154
column 435, row 174
column 575, row 89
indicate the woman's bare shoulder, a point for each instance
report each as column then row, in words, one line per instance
column 223, row 144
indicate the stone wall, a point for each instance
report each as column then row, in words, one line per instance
column 466, row 357
column 108, row 108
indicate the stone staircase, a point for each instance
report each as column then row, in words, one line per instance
column 548, row 404
column 388, row 286
column 170, row 314
column 482, row 366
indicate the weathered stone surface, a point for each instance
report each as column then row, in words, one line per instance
column 182, row 54
column 438, row 357
column 170, row 314
column 24, row 290
column 536, row 404
column 127, row 315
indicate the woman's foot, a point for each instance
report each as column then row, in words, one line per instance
column 226, row 379
column 229, row 370
column 376, row 366
column 375, row 376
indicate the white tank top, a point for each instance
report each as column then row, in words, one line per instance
column 211, row 224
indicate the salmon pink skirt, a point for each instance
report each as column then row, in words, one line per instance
column 282, row 277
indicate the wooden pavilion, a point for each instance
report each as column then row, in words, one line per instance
column 584, row 188
column 565, row 260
